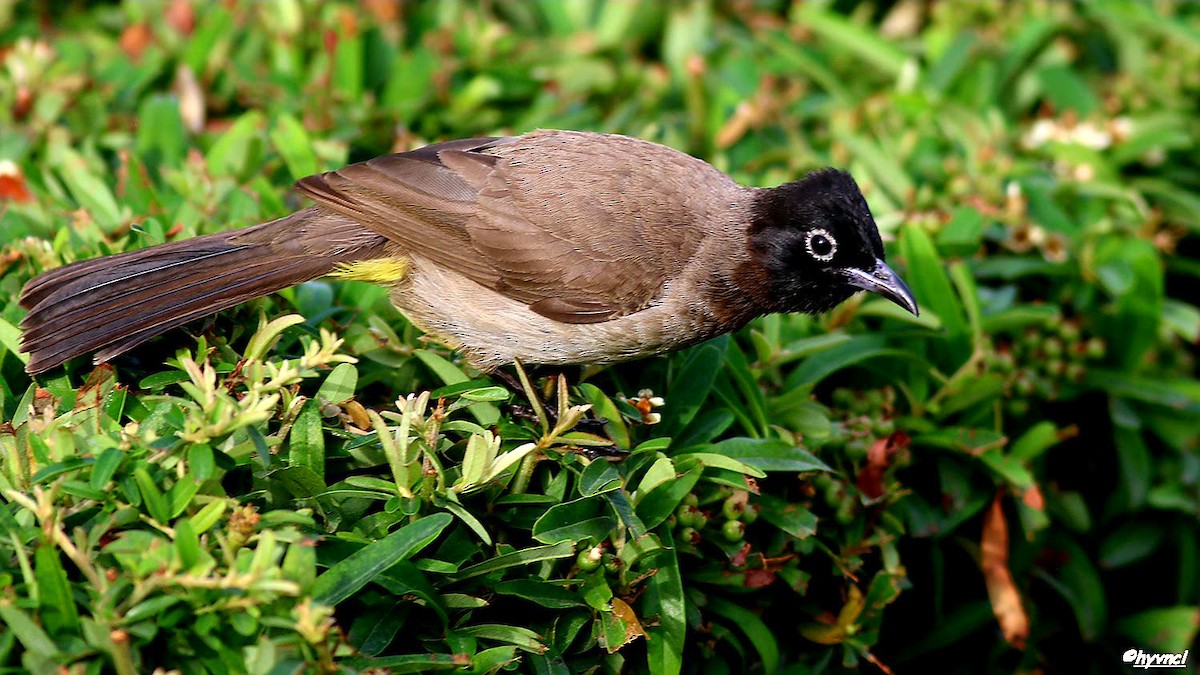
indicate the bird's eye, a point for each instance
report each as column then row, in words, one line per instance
column 821, row 245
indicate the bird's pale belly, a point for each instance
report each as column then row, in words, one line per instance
column 493, row 330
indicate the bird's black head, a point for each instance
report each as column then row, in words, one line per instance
column 819, row 245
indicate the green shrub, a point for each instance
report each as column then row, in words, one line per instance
column 1009, row 482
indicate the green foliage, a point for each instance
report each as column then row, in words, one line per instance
column 326, row 491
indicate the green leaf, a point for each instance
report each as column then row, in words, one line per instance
column 1036, row 440
column 58, row 611
column 352, row 573
column 1066, row 90
column 1080, row 584
column 1162, row 629
column 292, row 143
column 657, row 505
column 89, row 191
column 484, row 412
column 582, row 519
column 267, row 333
column 719, row 461
column 306, row 443
column 544, row 593
column 187, row 544
column 181, row 493
column 665, row 598
column 10, row 339
column 470, row 520
column 932, row 288
column 155, row 503
column 201, row 462
column 514, row 635
column 406, row 579
column 769, row 454
column 526, row 556
column 604, row 408
column 691, row 384
column 1132, row 272
column 792, row 518
column 599, row 477
column 300, row 481
column 348, row 65
column 161, row 137
column 407, row 663
column 150, row 608
column 863, row 43
column 749, row 623
column 28, row 632
column 1129, row 543
column 239, row 147
column 851, row 352
column 339, row 386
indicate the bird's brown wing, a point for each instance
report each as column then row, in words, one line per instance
column 581, row 227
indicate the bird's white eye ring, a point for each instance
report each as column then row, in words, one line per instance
column 820, row 245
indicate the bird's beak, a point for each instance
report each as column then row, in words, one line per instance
column 884, row 281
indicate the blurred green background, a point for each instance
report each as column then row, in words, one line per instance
column 1010, row 483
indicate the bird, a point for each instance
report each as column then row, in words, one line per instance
column 553, row 248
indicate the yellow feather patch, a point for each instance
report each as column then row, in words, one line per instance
column 376, row 271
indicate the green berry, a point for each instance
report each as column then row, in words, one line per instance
column 683, row 514
column 691, row 499
column 612, row 564
column 837, row 436
column 859, row 405
column 733, row 507
column 701, row 520
column 875, row 399
column 1056, row 367
column 845, row 511
column 1077, row 350
column 1023, row 384
column 589, row 559
column 1018, row 407
column 1005, row 362
column 689, row 535
column 1032, row 339
column 884, row 427
column 1052, row 346
column 856, row 449
column 1096, row 348
column 1069, row 331
column 833, row 494
column 733, row 530
column 1075, row 372
column 751, row 513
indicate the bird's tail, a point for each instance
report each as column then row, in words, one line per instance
column 109, row 305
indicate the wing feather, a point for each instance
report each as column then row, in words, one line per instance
column 581, row 227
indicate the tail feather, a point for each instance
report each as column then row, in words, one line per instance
column 110, row 305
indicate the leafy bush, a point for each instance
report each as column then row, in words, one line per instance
column 1010, row 481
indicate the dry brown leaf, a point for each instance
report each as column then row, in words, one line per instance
column 1002, row 590
column 624, row 612
column 879, row 458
